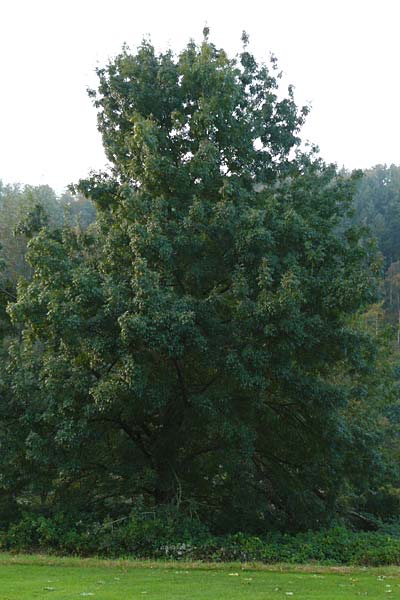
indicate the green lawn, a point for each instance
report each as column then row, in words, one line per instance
column 25, row 578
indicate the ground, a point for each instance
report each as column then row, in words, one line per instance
column 39, row 577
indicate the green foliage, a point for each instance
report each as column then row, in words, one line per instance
column 169, row 536
column 61, row 534
column 24, row 210
column 377, row 205
column 186, row 349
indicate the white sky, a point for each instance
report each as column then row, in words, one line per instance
column 343, row 56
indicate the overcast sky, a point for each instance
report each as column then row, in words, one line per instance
column 342, row 56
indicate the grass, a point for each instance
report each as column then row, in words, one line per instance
column 40, row 577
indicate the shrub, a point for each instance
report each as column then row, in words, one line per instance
column 167, row 534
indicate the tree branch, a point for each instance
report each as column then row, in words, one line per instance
column 3, row 291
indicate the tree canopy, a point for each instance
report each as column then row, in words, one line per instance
column 186, row 348
column 377, row 205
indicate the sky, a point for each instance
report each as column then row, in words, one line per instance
column 342, row 57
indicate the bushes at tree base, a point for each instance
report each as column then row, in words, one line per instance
column 163, row 537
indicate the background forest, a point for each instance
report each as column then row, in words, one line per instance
column 205, row 340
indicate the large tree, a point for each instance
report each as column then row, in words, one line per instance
column 184, row 351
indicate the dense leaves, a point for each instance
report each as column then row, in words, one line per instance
column 187, row 349
column 377, row 205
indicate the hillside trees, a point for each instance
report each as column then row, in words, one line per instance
column 377, row 205
column 183, row 351
column 20, row 207
column 15, row 203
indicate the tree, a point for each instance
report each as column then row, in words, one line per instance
column 80, row 211
column 377, row 205
column 183, row 351
column 24, row 211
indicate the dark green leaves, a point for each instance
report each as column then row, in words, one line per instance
column 182, row 350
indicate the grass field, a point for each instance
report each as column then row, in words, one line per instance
column 26, row 578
